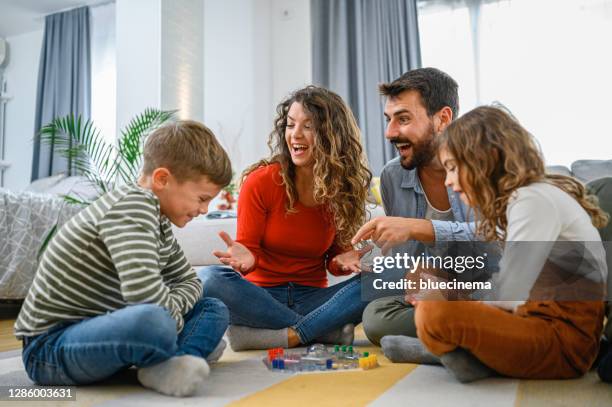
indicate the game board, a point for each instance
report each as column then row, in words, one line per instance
column 319, row 357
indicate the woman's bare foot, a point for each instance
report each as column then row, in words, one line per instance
column 293, row 340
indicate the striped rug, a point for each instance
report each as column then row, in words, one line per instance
column 240, row 379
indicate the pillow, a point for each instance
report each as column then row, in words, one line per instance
column 589, row 170
column 602, row 188
column 43, row 185
column 374, row 194
column 76, row 186
column 558, row 170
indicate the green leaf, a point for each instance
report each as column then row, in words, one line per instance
column 46, row 241
column 84, row 148
column 75, row 201
column 133, row 138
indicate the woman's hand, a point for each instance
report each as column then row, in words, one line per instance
column 237, row 255
column 351, row 260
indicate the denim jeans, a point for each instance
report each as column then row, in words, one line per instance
column 142, row 335
column 311, row 311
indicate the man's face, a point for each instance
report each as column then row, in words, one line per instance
column 181, row 202
column 410, row 129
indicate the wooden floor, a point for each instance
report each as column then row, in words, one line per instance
column 7, row 338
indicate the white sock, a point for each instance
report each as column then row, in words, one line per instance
column 178, row 376
column 216, row 354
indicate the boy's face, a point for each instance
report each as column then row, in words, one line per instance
column 181, row 202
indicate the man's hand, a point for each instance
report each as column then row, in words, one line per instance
column 388, row 231
column 237, row 255
column 414, row 296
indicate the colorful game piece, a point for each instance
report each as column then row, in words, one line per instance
column 319, row 357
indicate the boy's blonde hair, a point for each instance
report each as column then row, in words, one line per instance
column 189, row 150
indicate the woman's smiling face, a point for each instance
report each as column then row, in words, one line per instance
column 299, row 135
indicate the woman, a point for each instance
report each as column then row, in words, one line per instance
column 297, row 212
column 495, row 165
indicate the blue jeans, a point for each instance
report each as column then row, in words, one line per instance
column 310, row 311
column 94, row 349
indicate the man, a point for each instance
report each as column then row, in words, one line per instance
column 419, row 208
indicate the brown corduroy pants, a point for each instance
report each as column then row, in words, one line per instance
column 542, row 340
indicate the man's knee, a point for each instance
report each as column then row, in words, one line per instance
column 372, row 323
column 386, row 316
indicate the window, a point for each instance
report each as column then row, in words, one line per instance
column 546, row 60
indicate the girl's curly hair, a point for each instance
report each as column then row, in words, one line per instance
column 495, row 156
column 340, row 171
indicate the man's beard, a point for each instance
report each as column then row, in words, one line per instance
column 422, row 153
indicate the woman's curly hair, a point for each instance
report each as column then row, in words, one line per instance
column 495, row 156
column 340, row 171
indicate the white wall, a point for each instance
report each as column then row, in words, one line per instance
column 254, row 55
column 22, row 77
column 138, row 39
column 159, row 57
column 182, row 72
column 291, row 45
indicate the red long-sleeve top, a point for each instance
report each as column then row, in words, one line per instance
column 288, row 247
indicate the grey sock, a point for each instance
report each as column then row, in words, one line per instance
column 340, row 336
column 404, row 349
column 245, row 338
column 465, row 366
column 216, row 354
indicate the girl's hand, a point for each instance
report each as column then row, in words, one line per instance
column 237, row 255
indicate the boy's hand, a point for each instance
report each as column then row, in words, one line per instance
column 237, row 255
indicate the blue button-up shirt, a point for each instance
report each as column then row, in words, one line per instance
column 403, row 195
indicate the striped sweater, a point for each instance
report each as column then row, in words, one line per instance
column 119, row 251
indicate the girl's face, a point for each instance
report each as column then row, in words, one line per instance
column 299, row 136
column 454, row 179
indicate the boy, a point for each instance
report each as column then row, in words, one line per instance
column 114, row 289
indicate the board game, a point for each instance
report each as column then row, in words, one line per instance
column 319, row 357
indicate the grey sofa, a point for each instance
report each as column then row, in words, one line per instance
column 584, row 170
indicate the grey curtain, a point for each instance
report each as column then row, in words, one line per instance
column 358, row 44
column 64, row 82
